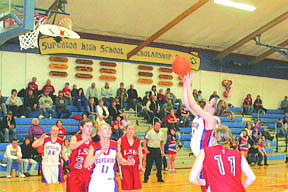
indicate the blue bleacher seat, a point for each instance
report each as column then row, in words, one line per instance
column 23, row 121
column 275, row 111
column 235, row 109
column 236, row 130
column 223, row 119
column 186, row 137
column 236, row 125
column 185, row 130
column 255, row 115
column 267, row 120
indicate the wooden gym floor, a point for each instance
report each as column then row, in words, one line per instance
column 273, row 178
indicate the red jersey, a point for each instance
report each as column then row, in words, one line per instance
column 33, row 85
column 130, row 151
column 62, row 132
column 66, row 91
column 78, row 156
column 50, row 88
column 223, row 169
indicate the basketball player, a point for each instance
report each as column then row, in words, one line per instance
column 78, row 178
column 104, row 154
column 131, row 149
column 223, row 165
column 52, row 171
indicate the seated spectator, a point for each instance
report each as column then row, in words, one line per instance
column 67, row 93
column 68, row 152
column 285, row 120
column 103, row 111
column 280, row 127
column 31, row 103
column 199, row 96
column 113, row 111
column 92, row 109
column 100, row 120
column 214, row 95
column 15, row 104
column 153, row 109
column 258, row 106
column 50, row 88
column 263, row 151
column 46, row 104
column 254, row 154
column 61, row 106
column 80, row 100
column 172, row 121
column 126, row 120
column 259, row 131
column 35, row 130
column 95, row 127
column 13, row 155
column 166, row 108
column 161, row 97
column 195, row 95
column 284, row 104
column 233, row 144
column 27, row 151
column 2, row 105
column 173, row 97
column 33, row 86
column 249, row 129
column 74, row 91
column 61, row 130
column 117, row 129
column 183, row 114
column 146, row 98
column 8, row 126
column 132, row 100
column 153, row 91
column 121, row 94
column 92, row 93
column 106, row 94
column 247, row 105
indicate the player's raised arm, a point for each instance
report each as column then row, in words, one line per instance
column 39, row 141
column 250, row 176
column 196, row 170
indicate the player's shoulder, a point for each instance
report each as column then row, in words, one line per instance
column 60, row 140
column 46, row 139
column 113, row 144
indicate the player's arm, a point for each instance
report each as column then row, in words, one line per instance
column 185, row 98
column 250, row 176
column 74, row 144
column 145, row 146
column 64, row 154
column 196, row 170
column 91, row 158
column 140, row 157
column 39, row 141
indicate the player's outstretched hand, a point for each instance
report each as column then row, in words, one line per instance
column 131, row 161
column 43, row 136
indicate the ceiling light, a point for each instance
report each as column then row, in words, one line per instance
column 237, row 5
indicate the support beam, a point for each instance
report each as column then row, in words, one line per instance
column 246, row 39
column 164, row 29
column 266, row 54
column 53, row 7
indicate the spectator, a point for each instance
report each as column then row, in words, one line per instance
column 258, row 106
column 67, row 93
column 166, row 108
column 106, row 94
column 27, row 150
column 2, row 105
column 249, row 129
column 61, row 130
column 161, row 97
column 126, row 120
column 61, row 106
column 92, row 109
column 183, row 114
column 117, row 129
column 254, row 154
column 243, row 143
column 12, row 156
column 50, row 88
column 247, row 105
column 33, row 86
column 35, row 130
column 199, row 95
column 9, row 126
column 195, row 95
column 146, row 98
column 31, row 103
column 103, row 111
column 68, row 152
column 15, row 104
column 46, row 104
column 214, row 95
column 280, row 127
column 121, row 94
column 263, row 151
column 285, row 120
column 132, row 98
column 261, row 132
column 172, row 121
column 173, row 97
column 80, row 100
column 153, row 109
column 171, row 143
column 153, row 92
column 74, row 91
column 92, row 93
column 113, row 111
column 100, row 120
column 284, row 104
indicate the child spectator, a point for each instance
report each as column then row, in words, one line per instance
column 172, row 121
column 195, row 95
column 171, row 142
column 9, row 126
column 15, row 104
column 46, row 104
column 2, row 105
column 27, row 150
column 74, row 91
column 61, row 106
column 126, row 121
column 199, row 95
column 80, row 99
column 67, row 93
column 31, row 103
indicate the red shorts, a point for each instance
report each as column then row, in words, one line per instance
column 172, row 152
column 130, row 177
column 78, row 181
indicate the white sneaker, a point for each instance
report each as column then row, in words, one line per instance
column 23, row 116
column 22, row 175
column 8, row 176
column 41, row 116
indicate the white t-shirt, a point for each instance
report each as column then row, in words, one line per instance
column 154, row 138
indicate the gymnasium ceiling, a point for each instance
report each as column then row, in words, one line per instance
column 212, row 26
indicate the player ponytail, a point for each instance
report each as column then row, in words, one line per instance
column 222, row 135
column 221, row 108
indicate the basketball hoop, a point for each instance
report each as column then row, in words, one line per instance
column 30, row 39
column 66, row 21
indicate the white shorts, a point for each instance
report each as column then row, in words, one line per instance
column 52, row 174
column 103, row 184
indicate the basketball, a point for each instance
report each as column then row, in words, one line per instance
column 181, row 65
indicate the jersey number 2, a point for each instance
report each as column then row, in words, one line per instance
column 220, row 164
column 79, row 160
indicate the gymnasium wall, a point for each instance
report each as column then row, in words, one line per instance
column 17, row 69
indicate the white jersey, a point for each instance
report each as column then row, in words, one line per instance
column 201, row 134
column 52, row 151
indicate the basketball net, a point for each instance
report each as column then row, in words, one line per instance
column 29, row 40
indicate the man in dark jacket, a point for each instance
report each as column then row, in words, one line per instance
column 31, row 103
column 153, row 108
column 61, row 104
column 27, row 150
column 8, row 126
column 132, row 97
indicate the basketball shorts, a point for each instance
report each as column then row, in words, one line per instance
column 109, row 184
column 78, row 181
column 52, row 174
column 130, row 178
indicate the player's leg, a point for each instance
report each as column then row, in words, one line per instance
column 173, row 162
column 170, row 162
column 46, row 187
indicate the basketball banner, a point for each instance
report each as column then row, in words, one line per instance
column 114, row 50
